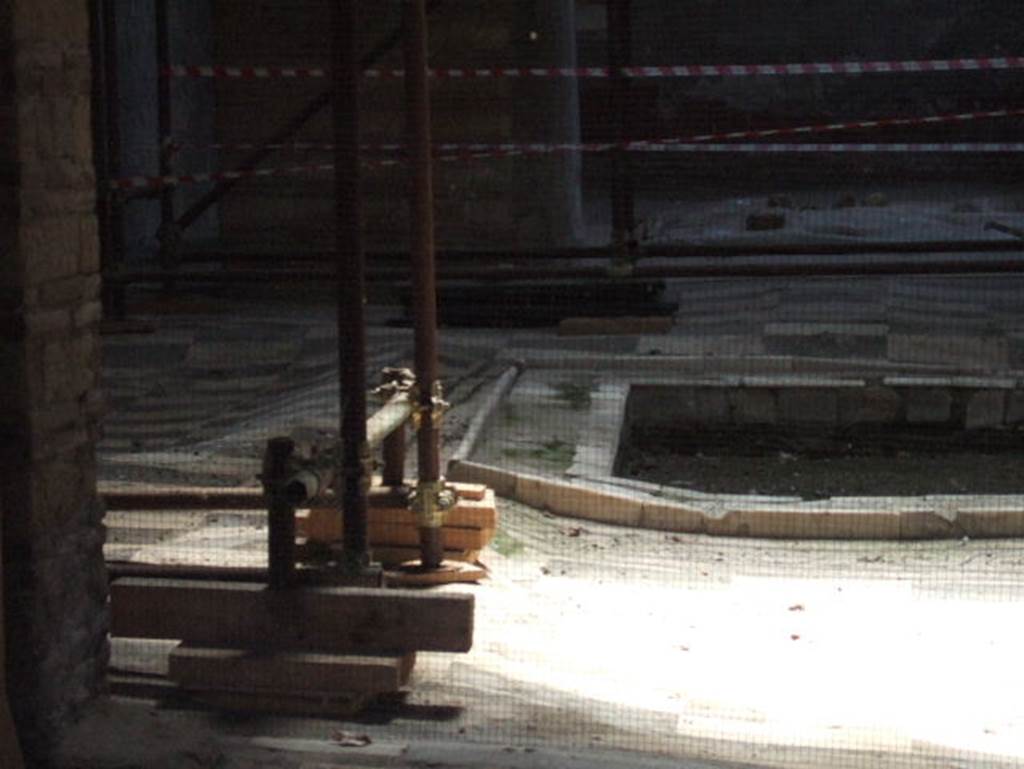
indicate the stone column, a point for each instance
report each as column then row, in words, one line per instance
column 54, row 576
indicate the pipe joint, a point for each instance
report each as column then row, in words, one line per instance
column 429, row 412
column 431, row 502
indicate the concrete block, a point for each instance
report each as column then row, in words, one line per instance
column 928, row 405
column 869, row 405
column 772, row 522
column 810, row 405
column 925, row 524
column 754, row 406
column 966, row 352
column 579, row 501
column 1015, row 407
column 994, row 522
column 986, row 408
column 502, row 481
column 664, row 516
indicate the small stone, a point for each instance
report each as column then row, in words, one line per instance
column 877, row 200
column 766, row 220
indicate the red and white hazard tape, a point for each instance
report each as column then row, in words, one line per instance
column 962, row 117
column 158, row 182
column 685, row 70
column 481, row 151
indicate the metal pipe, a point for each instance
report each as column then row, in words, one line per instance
column 502, row 387
column 620, row 46
column 350, row 285
column 417, row 94
column 393, row 473
column 292, row 127
column 389, row 419
column 652, row 251
column 168, row 233
column 727, row 269
column 280, row 513
column 107, row 148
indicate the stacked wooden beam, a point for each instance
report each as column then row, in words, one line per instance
column 314, row 650
column 394, row 537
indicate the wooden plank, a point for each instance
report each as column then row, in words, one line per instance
column 324, row 619
column 393, row 555
column 290, row 673
column 340, row 706
column 453, row 537
column 324, row 524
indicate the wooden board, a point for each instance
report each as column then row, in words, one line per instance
column 323, row 619
column 411, row 574
column 340, row 706
column 324, row 524
column 291, row 673
column 390, row 555
column 453, row 537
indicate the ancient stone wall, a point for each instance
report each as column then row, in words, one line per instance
column 54, row 576
column 519, row 201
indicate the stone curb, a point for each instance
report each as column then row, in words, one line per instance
column 904, row 518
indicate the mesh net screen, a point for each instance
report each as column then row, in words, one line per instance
column 729, row 323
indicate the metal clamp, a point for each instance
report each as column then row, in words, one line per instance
column 431, row 501
column 394, row 381
column 433, row 411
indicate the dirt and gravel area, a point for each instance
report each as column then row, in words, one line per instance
column 818, row 465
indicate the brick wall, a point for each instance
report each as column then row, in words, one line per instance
column 506, row 202
column 54, row 577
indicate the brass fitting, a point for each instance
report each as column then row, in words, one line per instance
column 431, row 501
column 434, row 411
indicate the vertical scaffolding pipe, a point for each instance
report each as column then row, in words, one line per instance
column 620, row 54
column 393, row 473
column 350, row 286
column 167, row 234
column 280, row 513
column 417, row 92
column 107, row 144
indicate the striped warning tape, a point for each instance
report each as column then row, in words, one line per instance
column 962, row 117
column 482, row 151
column 684, row 70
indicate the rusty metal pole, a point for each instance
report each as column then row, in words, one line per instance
column 620, row 54
column 424, row 281
column 350, row 274
column 107, row 149
column 169, row 234
column 280, row 513
column 393, row 473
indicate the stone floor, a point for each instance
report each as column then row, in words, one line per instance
column 766, row 652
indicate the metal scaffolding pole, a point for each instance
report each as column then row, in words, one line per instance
column 620, row 47
column 427, row 393
column 168, row 234
column 350, row 286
